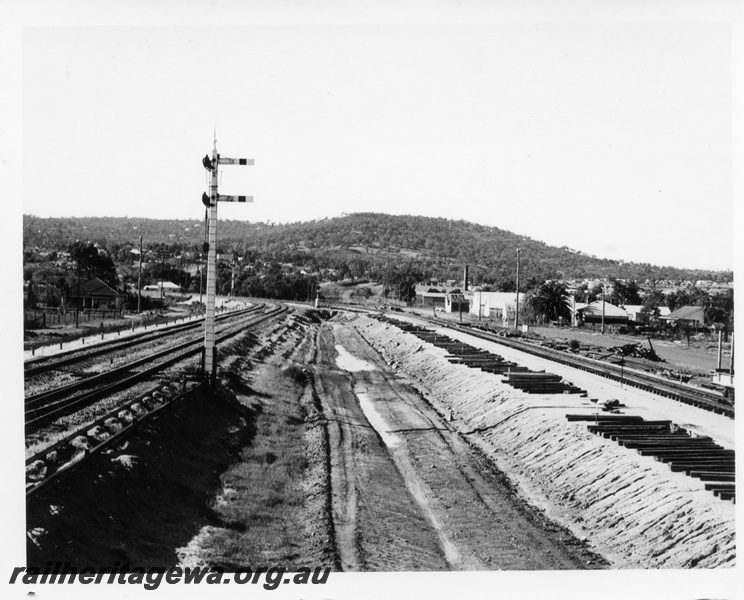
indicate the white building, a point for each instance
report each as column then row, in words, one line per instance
column 495, row 306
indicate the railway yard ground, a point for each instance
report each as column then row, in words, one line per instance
column 371, row 442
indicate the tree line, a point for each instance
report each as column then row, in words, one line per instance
column 360, row 243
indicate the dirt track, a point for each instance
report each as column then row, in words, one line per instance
column 408, row 492
column 351, row 444
column 633, row 510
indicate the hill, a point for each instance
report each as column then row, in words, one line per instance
column 359, row 245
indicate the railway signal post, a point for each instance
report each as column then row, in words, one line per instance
column 209, row 359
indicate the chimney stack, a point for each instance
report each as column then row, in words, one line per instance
column 465, row 282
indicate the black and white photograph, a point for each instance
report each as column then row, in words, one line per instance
column 410, row 300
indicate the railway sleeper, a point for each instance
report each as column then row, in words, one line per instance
column 632, row 430
column 138, row 409
column 647, row 435
column 536, row 375
column 36, row 471
column 689, row 468
column 692, row 459
column 562, row 391
column 648, row 446
column 686, row 454
column 711, row 466
column 476, row 364
column 661, row 434
column 725, row 495
column 667, row 441
column 605, row 418
column 79, row 442
column 619, row 437
column 499, row 368
column 485, row 364
column 113, row 424
column 98, row 434
column 703, row 464
column 673, row 451
column 505, row 369
column 126, row 415
column 549, row 389
column 671, row 438
column 638, row 435
column 65, row 454
column 632, row 423
column 713, row 475
column 471, row 356
column 679, row 448
column 722, row 487
column 526, row 385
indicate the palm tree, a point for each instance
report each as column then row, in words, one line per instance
column 550, row 302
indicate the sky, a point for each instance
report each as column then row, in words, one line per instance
column 613, row 138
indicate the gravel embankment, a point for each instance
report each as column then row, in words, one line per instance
column 634, row 511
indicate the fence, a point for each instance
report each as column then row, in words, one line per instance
column 39, row 319
column 100, row 327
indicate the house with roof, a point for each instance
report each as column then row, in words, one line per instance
column 635, row 312
column 599, row 311
column 692, row 316
column 94, row 294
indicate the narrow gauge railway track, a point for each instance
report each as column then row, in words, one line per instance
column 686, row 394
column 94, row 380
column 68, row 453
column 41, row 408
column 62, row 359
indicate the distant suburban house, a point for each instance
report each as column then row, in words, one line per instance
column 634, row 311
column 122, row 271
column 592, row 313
column 94, row 294
column 694, row 316
column 164, row 287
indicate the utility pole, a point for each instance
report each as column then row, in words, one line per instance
column 210, row 351
column 516, row 311
column 573, row 310
column 731, row 365
column 139, row 279
column 77, row 304
column 603, row 308
column 162, row 275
